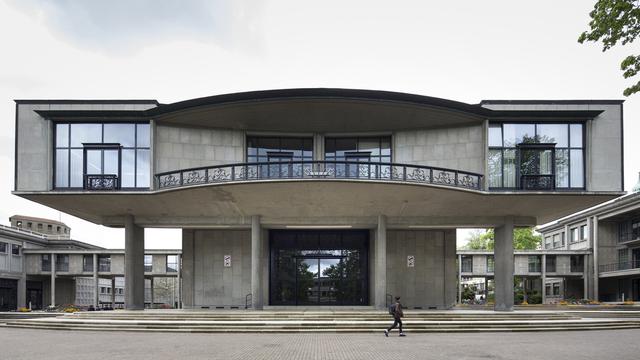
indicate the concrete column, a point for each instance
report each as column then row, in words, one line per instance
column 503, row 254
column 486, row 289
column 596, row 262
column 585, row 277
column 459, row 279
column 113, row 292
column 22, row 290
column 96, row 282
column 179, row 280
column 543, row 278
column 53, row 279
column 152, row 297
column 133, row 265
column 256, row 263
column 381, row 263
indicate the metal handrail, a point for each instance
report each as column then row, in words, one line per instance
column 327, row 169
column 248, row 301
column 35, row 234
column 625, row 265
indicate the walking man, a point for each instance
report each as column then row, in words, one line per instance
column 396, row 310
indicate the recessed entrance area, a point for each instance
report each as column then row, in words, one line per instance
column 319, row 267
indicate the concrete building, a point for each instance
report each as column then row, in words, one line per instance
column 318, row 196
column 609, row 234
column 42, row 269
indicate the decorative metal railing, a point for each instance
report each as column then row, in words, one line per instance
column 537, row 182
column 101, row 182
column 319, row 170
column 625, row 265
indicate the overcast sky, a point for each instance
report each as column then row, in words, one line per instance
column 177, row 50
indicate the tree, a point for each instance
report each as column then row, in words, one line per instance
column 613, row 22
column 523, row 239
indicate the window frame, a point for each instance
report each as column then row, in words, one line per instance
column 535, row 124
column 69, row 147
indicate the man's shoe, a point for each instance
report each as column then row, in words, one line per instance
column 402, row 334
column 386, row 333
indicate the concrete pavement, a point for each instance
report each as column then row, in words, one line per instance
column 71, row 345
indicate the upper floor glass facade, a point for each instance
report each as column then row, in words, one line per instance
column 117, row 150
column 537, row 156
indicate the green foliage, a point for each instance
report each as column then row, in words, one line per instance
column 613, row 22
column 469, row 292
column 523, row 239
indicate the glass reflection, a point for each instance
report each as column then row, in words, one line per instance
column 123, row 134
column 85, row 133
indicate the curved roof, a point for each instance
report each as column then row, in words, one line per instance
column 264, row 96
column 320, row 93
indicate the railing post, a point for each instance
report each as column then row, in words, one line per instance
column 181, row 179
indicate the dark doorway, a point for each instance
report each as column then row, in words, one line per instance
column 34, row 294
column 319, row 267
column 8, row 295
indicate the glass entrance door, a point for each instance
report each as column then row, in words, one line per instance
column 318, row 267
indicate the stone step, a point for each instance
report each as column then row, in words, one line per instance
column 326, row 330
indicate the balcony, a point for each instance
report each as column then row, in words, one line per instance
column 320, row 170
column 101, row 182
column 628, row 237
column 620, row 266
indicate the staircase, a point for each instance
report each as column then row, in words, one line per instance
column 239, row 321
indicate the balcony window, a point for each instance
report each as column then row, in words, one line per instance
column 45, row 262
column 583, row 232
column 547, row 242
column 556, row 289
column 105, row 151
column 490, row 263
column 573, row 232
column 62, row 262
column 550, row 265
column 15, row 249
column 87, row 263
column 148, row 263
column 172, row 263
column 104, row 263
column 556, row 241
column 467, row 263
column 279, row 150
column 3, row 248
column 538, row 156
column 629, row 230
column 534, row 263
column 358, row 150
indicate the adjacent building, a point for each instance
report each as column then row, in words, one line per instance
column 44, row 267
column 318, row 196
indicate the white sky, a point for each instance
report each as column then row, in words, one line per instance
column 177, row 50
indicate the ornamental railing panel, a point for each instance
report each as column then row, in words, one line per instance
column 319, row 170
column 101, row 182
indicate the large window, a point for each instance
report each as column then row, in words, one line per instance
column 577, row 263
column 366, row 150
column 279, row 150
column 543, row 155
column 3, row 248
column 112, row 149
column 490, row 263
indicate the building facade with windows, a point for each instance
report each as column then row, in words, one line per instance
column 38, row 270
column 610, row 234
column 318, row 196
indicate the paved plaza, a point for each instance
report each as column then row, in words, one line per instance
column 69, row 345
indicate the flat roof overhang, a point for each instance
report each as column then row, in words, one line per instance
column 318, row 110
column 320, row 202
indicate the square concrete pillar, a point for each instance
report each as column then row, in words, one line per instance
column 256, row 263
column 22, row 291
column 133, row 265
column 53, row 280
column 380, row 267
column 503, row 255
column 96, row 282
